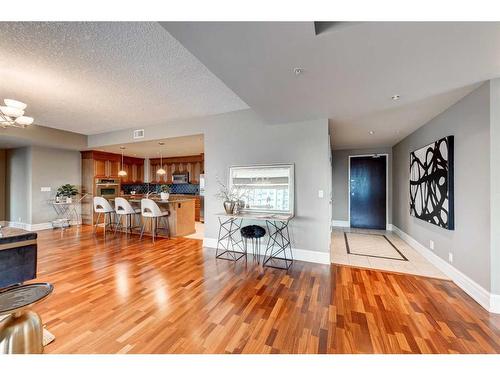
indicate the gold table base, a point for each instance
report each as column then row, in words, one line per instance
column 21, row 333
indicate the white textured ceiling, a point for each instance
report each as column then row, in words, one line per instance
column 350, row 73
column 96, row 77
column 177, row 146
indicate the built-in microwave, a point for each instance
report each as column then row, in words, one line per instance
column 180, row 178
column 107, row 187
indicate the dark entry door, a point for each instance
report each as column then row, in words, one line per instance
column 368, row 192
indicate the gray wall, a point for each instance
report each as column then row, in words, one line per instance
column 340, row 166
column 19, row 185
column 495, row 184
column 42, row 136
column 3, row 187
column 241, row 138
column 29, row 169
column 51, row 168
column 469, row 121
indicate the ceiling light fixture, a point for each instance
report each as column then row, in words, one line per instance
column 395, row 97
column 161, row 171
column 12, row 114
column 122, row 172
column 371, row 132
column 298, row 71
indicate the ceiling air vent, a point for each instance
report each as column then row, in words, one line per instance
column 139, row 133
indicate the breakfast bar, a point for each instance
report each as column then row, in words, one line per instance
column 181, row 220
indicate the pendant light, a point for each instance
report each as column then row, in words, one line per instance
column 161, row 171
column 122, row 172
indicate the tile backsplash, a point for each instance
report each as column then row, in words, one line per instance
column 174, row 188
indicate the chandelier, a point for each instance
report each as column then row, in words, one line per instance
column 12, row 114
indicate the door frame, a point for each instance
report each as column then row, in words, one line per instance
column 386, row 186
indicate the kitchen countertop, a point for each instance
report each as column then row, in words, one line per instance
column 156, row 199
column 9, row 234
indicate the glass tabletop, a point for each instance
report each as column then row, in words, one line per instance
column 18, row 297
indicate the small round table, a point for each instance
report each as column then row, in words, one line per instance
column 22, row 331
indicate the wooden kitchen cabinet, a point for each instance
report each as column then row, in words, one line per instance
column 100, row 168
column 113, row 168
column 194, row 165
column 135, row 170
column 104, row 164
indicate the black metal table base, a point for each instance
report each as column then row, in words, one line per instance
column 227, row 242
column 278, row 245
column 278, row 252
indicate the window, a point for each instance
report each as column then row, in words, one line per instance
column 267, row 188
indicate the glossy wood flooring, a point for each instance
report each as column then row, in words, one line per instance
column 122, row 295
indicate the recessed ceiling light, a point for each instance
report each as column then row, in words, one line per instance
column 395, row 97
column 298, row 71
column 371, row 132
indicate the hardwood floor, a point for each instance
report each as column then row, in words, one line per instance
column 122, row 295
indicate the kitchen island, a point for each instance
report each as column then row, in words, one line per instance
column 181, row 220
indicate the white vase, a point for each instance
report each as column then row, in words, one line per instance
column 164, row 196
column 69, row 199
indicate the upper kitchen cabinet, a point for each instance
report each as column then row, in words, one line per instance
column 193, row 165
column 135, row 170
column 98, row 164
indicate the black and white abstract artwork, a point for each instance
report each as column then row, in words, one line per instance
column 431, row 183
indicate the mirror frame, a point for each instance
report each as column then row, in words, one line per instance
column 290, row 166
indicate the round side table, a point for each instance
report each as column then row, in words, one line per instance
column 22, row 331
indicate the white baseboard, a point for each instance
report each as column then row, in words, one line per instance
column 495, row 303
column 34, row 227
column 490, row 302
column 341, row 223
column 298, row 254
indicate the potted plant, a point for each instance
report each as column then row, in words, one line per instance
column 164, row 192
column 67, row 191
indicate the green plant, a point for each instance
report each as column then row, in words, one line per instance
column 165, row 189
column 67, row 190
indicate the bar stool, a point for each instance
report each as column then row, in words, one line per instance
column 123, row 208
column 253, row 233
column 102, row 206
column 150, row 210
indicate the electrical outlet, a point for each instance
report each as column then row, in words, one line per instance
column 431, row 244
column 450, row 257
column 321, row 194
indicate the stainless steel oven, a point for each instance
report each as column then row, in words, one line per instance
column 107, row 187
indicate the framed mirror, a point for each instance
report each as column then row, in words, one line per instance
column 265, row 188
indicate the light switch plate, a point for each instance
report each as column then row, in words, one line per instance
column 450, row 257
column 431, row 244
column 321, row 194
column 45, row 188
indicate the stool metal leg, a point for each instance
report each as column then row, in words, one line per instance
column 118, row 222
column 97, row 222
column 143, row 227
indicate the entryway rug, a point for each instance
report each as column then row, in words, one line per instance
column 372, row 245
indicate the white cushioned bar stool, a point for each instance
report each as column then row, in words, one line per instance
column 102, row 206
column 151, row 211
column 124, row 209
